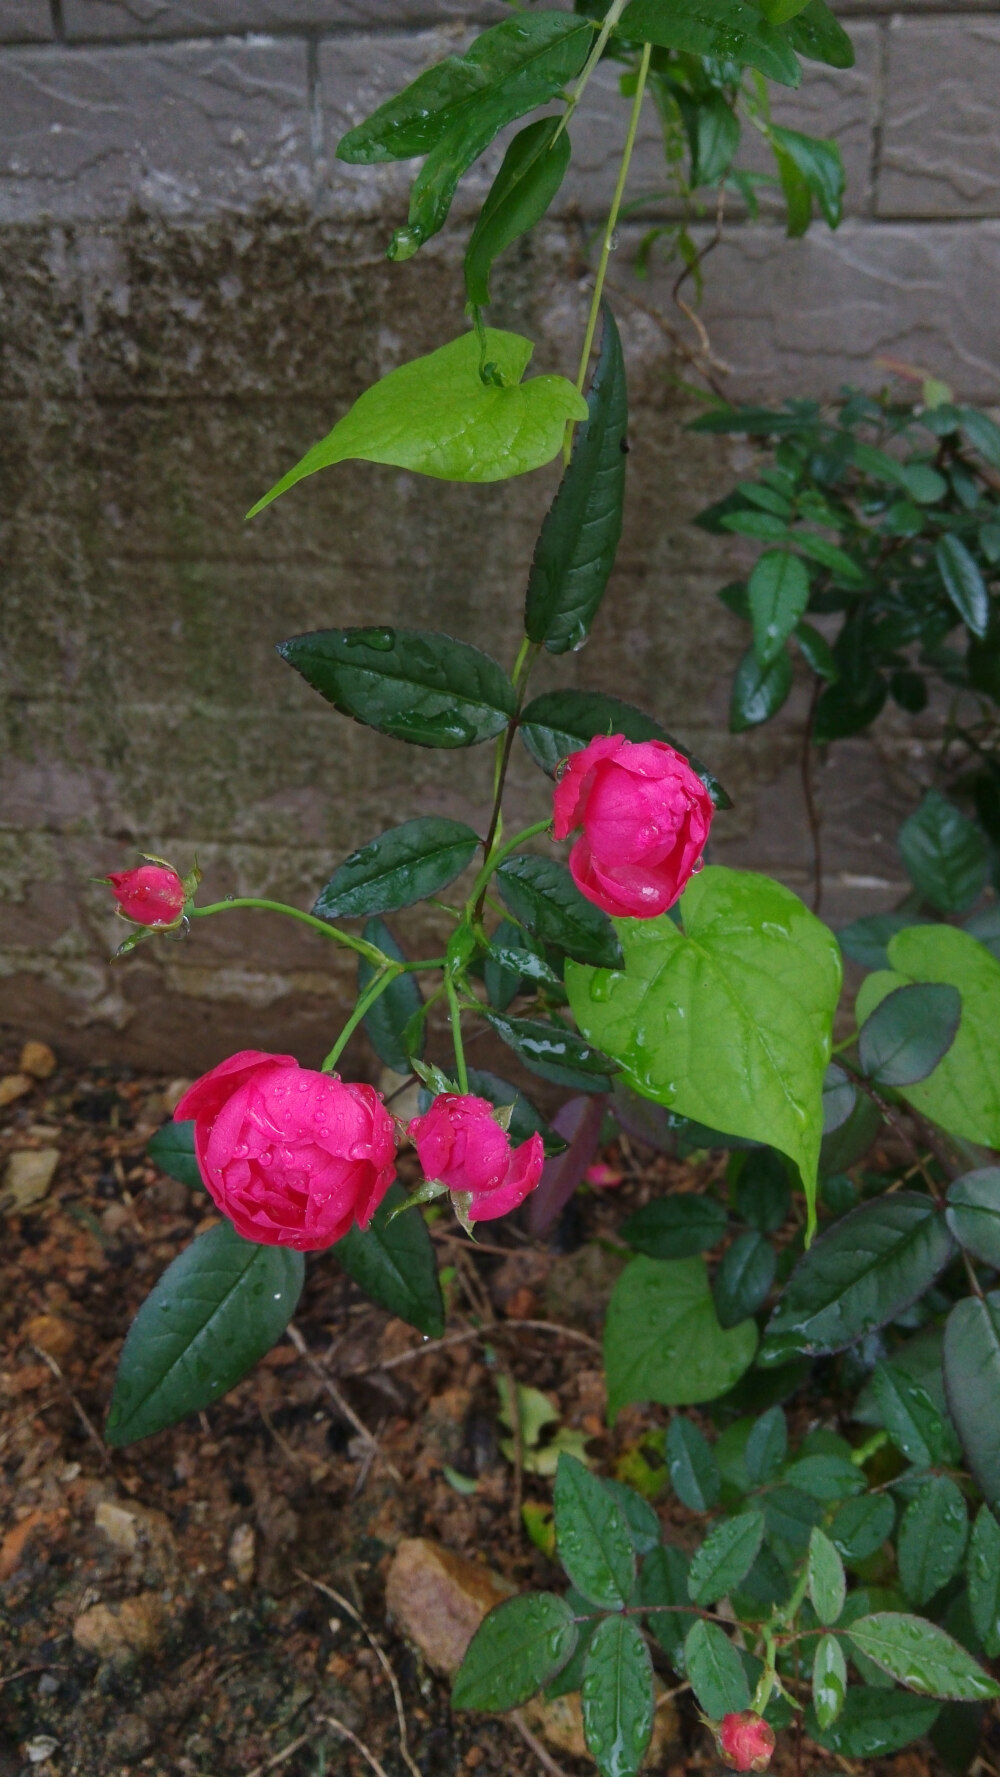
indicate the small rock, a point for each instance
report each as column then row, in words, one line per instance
column 38, row 1060
column 118, row 1525
column 243, row 1553
column 114, row 1218
column 130, row 1740
column 52, row 1334
column 439, row 1599
column 14, row 1086
column 27, row 1179
column 40, row 1748
column 173, row 1094
column 116, row 1631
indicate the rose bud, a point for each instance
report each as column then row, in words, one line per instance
column 151, row 895
column 602, row 1177
column 645, row 816
column 291, row 1156
column 745, row 1741
column 460, row 1143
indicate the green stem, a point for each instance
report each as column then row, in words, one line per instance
column 527, row 654
column 495, row 857
column 363, row 948
column 614, row 13
column 383, row 979
column 455, row 1014
column 607, row 246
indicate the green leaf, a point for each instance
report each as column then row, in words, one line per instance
column 817, row 34
column 829, row 1680
column 676, row 1227
column 663, row 1342
column 932, row 1539
column 972, row 1384
column 983, row 434
column 962, row 1095
column 758, row 691
column 963, row 582
column 437, row 416
column 390, row 1019
column 909, row 1032
column 410, row 683
column 922, row 1657
column 576, row 547
column 729, row 29
column 743, row 1279
column 400, row 867
column 393, row 1262
column 778, row 592
column 827, row 1582
column 944, row 853
column 760, row 527
column 839, row 1098
column 663, row 1581
column 825, row 1477
column 845, row 570
column 554, row 1052
column 517, row 1648
column 562, row 722
column 713, row 133
column 643, row 1524
column 860, row 1526
column 715, row 1670
column 728, row 1020
column 974, row 1213
column 592, row 1536
column 617, row 1697
column 531, row 173
column 725, row 1557
column 911, row 1418
column 816, row 652
column 873, row 1722
column 767, row 1445
column 858, row 1275
column 762, row 1195
column 847, row 707
column 172, row 1150
column 216, row 1310
column 694, row 1473
column 983, row 1570
column 866, row 941
column 524, row 1119
column 542, row 896
column 818, row 163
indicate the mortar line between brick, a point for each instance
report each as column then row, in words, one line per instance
column 880, row 96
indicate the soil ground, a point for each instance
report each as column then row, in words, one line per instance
column 228, row 1533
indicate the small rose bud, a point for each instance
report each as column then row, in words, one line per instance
column 601, row 1176
column 152, row 895
column 745, row 1741
column 460, row 1142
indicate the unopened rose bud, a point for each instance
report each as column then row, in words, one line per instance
column 151, row 895
column 745, row 1741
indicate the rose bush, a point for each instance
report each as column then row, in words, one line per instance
column 460, row 1142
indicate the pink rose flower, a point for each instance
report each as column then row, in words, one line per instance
column 291, row 1156
column 745, row 1741
column 151, row 895
column 460, row 1142
column 645, row 817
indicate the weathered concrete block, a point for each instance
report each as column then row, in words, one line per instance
column 100, row 19
column 941, row 148
column 88, row 134
column 25, row 21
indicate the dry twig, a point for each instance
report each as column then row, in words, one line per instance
column 532, row 1741
column 366, row 1753
column 87, row 1423
column 279, row 1758
column 343, row 1406
column 382, row 1657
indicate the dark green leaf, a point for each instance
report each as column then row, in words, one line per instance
column 827, row 1581
column 861, row 1273
column 847, row 707
column 400, row 867
column 393, row 1262
column 816, row 652
column 663, row 1580
column 826, row 1478
column 542, row 895
column 531, row 173
column 921, row 1656
column 729, row 29
column 844, row 569
column 974, row 1213
column 963, row 582
column 819, row 165
column 715, row 1670
column 767, row 1445
column 562, row 722
column 172, row 1150
column 392, row 1018
column 956, row 1734
column 909, row 1032
column 911, row 1417
column 873, row 1722
column 790, row 1516
column 817, row 34
column 910, row 691
column 758, row 691
column 216, row 1310
column 932, row 1538
column 983, row 1569
column 617, row 1697
column 866, row 941
column 860, row 1526
column 576, row 547
column 676, row 1227
column 846, row 1144
column 416, row 686
column 743, row 1279
column 762, row 1194
column 592, row 1536
column 570, row 1676
column 694, row 1474
column 555, row 1053
column 972, row 1384
column 643, row 1524
column 829, row 1680
column 983, row 434
column 778, row 593
column 713, row 133
column 760, row 527
column 725, row 1557
column 839, row 1098
column 944, row 853
column 517, row 1648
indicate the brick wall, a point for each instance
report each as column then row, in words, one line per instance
column 192, row 288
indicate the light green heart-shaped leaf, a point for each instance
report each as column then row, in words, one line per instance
column 440, row 416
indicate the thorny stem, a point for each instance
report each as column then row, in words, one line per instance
column 496, row 856
column 383, row 979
